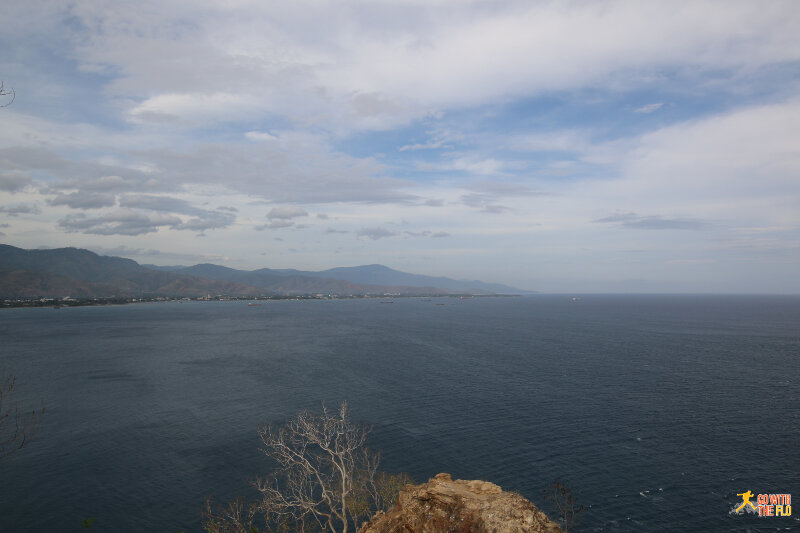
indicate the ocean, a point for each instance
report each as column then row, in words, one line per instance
column 656, row 410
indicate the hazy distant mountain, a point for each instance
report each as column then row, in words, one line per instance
column 84, row 274
column 283, row 282
column 360, row 279
column 171, row 268
column 382, row 275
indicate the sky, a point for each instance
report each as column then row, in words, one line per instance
column 571, row 146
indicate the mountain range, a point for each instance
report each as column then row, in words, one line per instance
column 79, row 273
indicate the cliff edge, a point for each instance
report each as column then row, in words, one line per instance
column 443, row 505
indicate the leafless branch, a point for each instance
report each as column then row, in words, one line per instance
column 17, row 427
column 236, row 517
column 326, row 479
column 560, row 496
column 7, row 92
column 325, row 472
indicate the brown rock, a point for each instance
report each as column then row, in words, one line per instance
column 443, row 505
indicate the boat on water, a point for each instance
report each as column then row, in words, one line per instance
column 251, row 304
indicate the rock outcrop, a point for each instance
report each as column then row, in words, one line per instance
column 443, row 505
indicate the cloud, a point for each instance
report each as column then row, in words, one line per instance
column 434, row 202
column 207, row 220
column 727, row 165
column 441, row 139
column 371, row 104
column 375, row 233
column 14, row 181
column 352, row 60
column 332, row 230
column 20, row 209
column 120, row 222
column 548, row 46
column 691, row 261
column 498, row 188
column 260, row 136
column 649, row 108
column 571, row 140
column 483, row 201
column 84, row 200
column 286, row 213
column 72, row 174
column 634, row 221
column 128, row 221
column 152, row 254
column 275, row 224
column 281, row 217
column 472, row 165
column 428, row 233
column 430, row 145
column 300, row 169
column 202, row 219
column 160, row 203
column 192, row 107
column 495, row 208
column 107, row 184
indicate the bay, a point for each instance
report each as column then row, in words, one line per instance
column 656, row 410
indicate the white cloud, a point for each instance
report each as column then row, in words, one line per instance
column 545, row 46
column 286, row 212
column 275, row 224
column 552, row 141
column 749, row 153
column 148, row 254
column 121, row 222
column 14, row 181
column 260, row 136
column 218, row 107
column 79, row 200
column 375, row 233
column 20, row 209
column 382, row 65
column 656, row 222
column 649, row 108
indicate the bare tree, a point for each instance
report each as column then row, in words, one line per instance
column 323, row 467
column 17, row 427
column 326, row 479
column 7, row 92
column 236, row 517
column 560, row 496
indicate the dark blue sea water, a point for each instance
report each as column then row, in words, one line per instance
column 656, row 410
